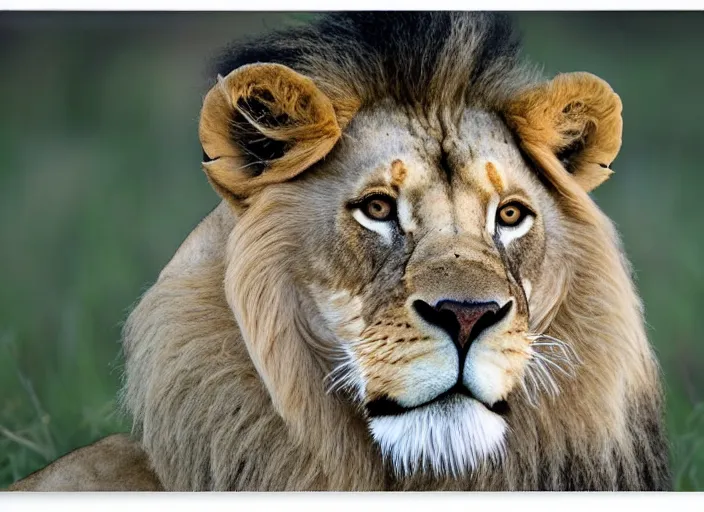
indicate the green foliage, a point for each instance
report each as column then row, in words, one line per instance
column 100, row 182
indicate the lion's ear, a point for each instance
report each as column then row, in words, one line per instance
column 571, row 122
column 263, row 124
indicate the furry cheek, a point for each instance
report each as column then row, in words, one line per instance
column 494, row 368
column 409, row 373
column 341, row 311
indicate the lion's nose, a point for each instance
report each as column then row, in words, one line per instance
column 463, row 321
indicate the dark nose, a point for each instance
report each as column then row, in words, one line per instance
column 463, row 321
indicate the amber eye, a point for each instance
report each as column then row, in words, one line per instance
column 378, row 207
column 511, row 214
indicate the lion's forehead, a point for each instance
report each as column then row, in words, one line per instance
column 436, row 167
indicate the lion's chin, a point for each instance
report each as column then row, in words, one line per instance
column 451, row 436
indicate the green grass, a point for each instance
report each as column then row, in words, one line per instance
column 100, row 182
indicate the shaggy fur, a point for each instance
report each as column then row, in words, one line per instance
column 427, row 59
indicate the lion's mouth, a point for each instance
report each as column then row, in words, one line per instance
column 389, row 407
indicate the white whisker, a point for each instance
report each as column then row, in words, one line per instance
column 554, row 389
column 561, row 344
column 528, row 395
column 554, row 365
column 553, row 355
column 534, row 382
column 345, row 377
column 542, row 378
column 547, row 355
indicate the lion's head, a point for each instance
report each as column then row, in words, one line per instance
column 413, row 247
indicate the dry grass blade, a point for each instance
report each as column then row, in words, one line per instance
column 25, row 442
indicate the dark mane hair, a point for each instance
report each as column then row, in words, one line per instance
column 415, row 58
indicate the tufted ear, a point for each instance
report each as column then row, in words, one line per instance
column 571, row 122
column 263, row 124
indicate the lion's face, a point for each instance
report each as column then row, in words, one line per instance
column 422, row 267
column 423, row 247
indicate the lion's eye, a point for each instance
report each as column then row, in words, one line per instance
column 511, row 214
column 378, row 207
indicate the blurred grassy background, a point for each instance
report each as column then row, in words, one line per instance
column 100, row 182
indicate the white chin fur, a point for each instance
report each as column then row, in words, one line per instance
column 450, row 437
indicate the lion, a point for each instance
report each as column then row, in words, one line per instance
column 406, row 286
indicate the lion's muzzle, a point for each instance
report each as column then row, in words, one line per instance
column 463, row 321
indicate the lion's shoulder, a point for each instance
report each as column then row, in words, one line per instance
column 115, row 463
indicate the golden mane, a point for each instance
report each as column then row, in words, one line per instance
column 208, row 421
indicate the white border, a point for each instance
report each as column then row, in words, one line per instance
column 344, row 502
column 496, row 502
